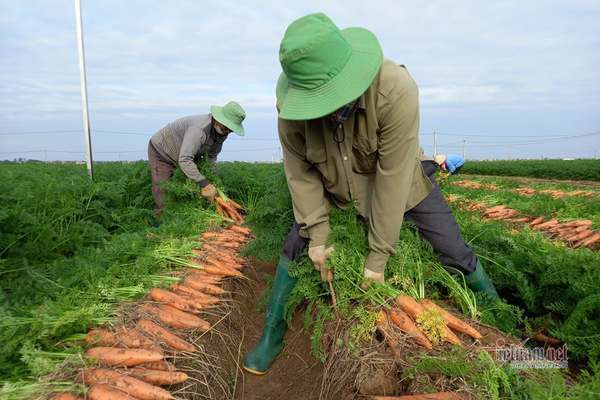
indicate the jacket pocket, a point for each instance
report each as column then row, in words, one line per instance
column 364, row 160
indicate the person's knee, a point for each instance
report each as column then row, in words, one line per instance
column 294, row 243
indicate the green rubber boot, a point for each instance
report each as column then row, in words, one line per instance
column 479, row 281
column 260, row 358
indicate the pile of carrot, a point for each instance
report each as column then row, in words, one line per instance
column 555, row 193
column 475, row 185
column 406, row 314
column 577, row 233
column 131, row 360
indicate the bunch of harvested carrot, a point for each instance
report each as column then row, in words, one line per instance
column 410, row 317
column 577, row 233
column 475, row 185
column 229, row 208
column 140, row 349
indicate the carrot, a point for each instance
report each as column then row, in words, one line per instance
column 580, row 236
column 409, row 306
column 240, row 229
column 536, row 221
column 495, row 208
column 414, row 309
column 123, row 357
column 406, row 325
column 542, row 338
column 383, row 327
column 165, row 336
column 155, row 377
column 203, row 286
column 66, row 396
column 132, row 386
column 589, row 241
column 227, row 271
column 207, row 278
column 227, row 252
column 235, row 261
column 427, row 396
column 198, row 297
column 209, row 235
column 105, row 392
column 176, row 318
column 452, row 321
column 212, row 261
column 582, row 222
column 231, row 236
column 165, row 297
column 122, row 337
column 235, row 204
column 229, row 209
column 159, row 365
column 582, row 228
column 546, row 225
column 103, row 337
column 226, row 244
column 236, row 216
column 522, row 219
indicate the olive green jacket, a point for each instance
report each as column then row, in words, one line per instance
column 372, row 159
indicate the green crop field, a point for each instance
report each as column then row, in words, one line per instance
column 71, row 251
column 588, row 170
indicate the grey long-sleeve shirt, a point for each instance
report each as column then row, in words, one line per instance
column 184, row 140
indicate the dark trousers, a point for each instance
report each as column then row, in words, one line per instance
column 161, row 171
column 435, row 224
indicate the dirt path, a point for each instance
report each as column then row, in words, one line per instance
column 527, row 180
column 296, row 374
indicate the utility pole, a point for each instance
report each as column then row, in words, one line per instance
column 84, row 100
column 434, row 143
column 464, row 149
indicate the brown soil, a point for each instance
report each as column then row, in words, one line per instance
column 296, row 374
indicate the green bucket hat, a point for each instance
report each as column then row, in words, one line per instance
column 324, row 67
column 231, row 115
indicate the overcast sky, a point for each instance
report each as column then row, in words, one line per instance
column 512, row 78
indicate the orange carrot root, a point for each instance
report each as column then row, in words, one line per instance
column 155, row 377
column 165, row 336
column 132, row 386
column 101, row 391
column 384, row 328
column 123, row 357
column 66, row 396
column 451, row 320
column 160, row 365
column 176, row 318
column 406, row 325
column 240, row 229
column 414, row 310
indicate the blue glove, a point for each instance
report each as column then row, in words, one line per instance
column 454, row 163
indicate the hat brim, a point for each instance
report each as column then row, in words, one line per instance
column 217, row 113
column 296, row 103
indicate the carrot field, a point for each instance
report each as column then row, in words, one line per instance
column 77, row 256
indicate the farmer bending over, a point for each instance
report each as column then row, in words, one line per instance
column 185, row 140
column 348, row 124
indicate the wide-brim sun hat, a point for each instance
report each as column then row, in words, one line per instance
column 324, row 67
column 439, row 158
column 231, row 115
